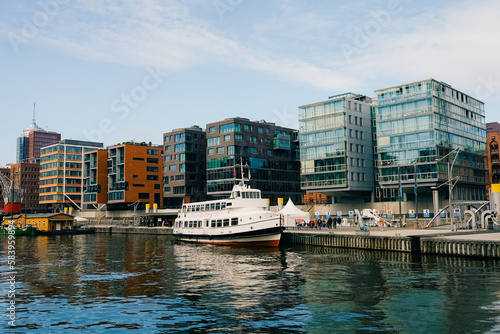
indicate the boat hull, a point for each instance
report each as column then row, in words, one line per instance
column 269, row 237
column 29, row 231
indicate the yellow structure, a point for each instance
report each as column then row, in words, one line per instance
column 42, row 222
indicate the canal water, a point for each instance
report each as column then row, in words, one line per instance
column 150, row 284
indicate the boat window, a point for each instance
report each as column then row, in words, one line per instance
column 190, row 223
column 213, row 223
column 207, row 207
column 219, row 222
column 212, row 206
column 217, row 206
column 237, row 194
column 243, row 195
column 223, row 206
column 234, row 221
column 207, row 223
column 185, row 223
column 226, row 222
column 184, row 208
column 197, row 208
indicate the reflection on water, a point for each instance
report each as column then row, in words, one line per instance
column 114, row 283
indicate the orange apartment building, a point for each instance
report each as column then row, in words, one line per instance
column 61, row 173
column 95, row 174
column 134, row 177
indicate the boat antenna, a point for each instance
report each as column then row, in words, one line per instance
column 242, row 173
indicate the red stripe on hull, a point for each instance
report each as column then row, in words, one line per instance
column 235, row 242
column 270, row 243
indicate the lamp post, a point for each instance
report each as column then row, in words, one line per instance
column 451, row 184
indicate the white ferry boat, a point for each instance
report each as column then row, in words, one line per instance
column 242, row 219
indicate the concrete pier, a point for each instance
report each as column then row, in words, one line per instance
column 438, row 241
column 132, row 229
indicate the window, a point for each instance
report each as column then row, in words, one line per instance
column 151, row 169
column 143, row 195
column 210, row 151
column 213, row 141
column 253, row 150
column 220, row 150
column 180, row 137
column 211, row 129
column 260, row 130
column 230, row 150
column 227, row 137
column 168, row 148
column 138, row 159
column 350, row 119
column 232, row 127
column 152, row 152
column 152, row 160
column 152, row 177
column 172, row 167
column 238, row 137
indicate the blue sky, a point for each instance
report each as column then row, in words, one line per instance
column 119, row 70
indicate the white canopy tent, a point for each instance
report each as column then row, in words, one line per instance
column 293, row 216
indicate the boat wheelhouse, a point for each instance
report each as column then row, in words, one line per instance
column 242, row 219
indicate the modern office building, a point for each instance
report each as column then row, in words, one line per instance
column 95, row 179
column 26, row 178
column 61, row 177
column 266, row 153
column 184, row 166
column 134, row 176
column 32, row 140
column 336, row 148
column 420, row 127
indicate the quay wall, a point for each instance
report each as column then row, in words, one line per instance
column 361, row 241
column 410, row 244
column 134, row 230
column 474, row 248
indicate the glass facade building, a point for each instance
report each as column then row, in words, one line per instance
column 184, row 166
column 336, row 146
column 417, row 125
column 61, row 167
column 268, row 153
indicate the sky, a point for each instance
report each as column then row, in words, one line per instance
column 120, row 70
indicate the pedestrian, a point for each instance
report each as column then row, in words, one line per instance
column 329, row 223
column 319, row 223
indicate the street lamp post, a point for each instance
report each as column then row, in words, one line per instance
column 451, row 185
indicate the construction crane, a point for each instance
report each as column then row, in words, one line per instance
column 11, row 196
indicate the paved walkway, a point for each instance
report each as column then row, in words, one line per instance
column 443, row 231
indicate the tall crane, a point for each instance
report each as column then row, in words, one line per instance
column 11, row 196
